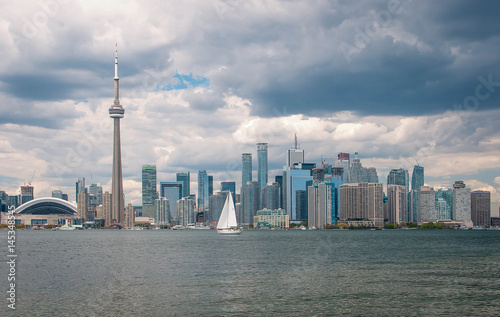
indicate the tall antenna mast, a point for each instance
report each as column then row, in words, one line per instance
column 296, row 141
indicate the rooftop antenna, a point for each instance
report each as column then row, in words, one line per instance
column 296, row 141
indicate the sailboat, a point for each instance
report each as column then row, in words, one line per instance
column 227, row 222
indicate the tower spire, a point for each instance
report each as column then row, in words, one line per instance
column 296, row 141
column 117, row 88
column 116, row 60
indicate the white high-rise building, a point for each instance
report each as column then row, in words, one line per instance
column 320, row 205
column 185, row 211
column 162, row 212
column 397, row 204
column 362, row 203
column 461, row 202
column 426, row 204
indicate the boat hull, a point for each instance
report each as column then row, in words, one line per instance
column 229, row 231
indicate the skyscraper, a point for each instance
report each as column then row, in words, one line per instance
column 162, row 214
column 396, row 200
column 461, row 202
column 370, row 175
column 480, row 208
column 445, row 210
column 95, row 194
column 320, row 204
column 250, row 201
column 186, row 183
column 417, row 178
column 205, row 189
column 116, row 112
column 129, row 216
column 149, row 193
column 262, row 164
column 361, row 203
column 106, row 208
column 27, row 193
column 216, row 203
column 356, row 174
column 185, row 211
column 57, row 193
column 399, row 177
column 426, row 204
column 246, row 169
column 229, row 186
column 271, row 196
column 171, row 191
column 79, row 187
column 83, row 206
column 295, row 155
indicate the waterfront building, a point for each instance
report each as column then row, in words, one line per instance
column 370, row 175
column 461, row 202
column 271, row 196
column 361, row 204
column 149, row 191
column 294, row 156
column 106, row 208
column 185, row 178
column 396, row 204
column 442, row 209
column 95, row 194
column 342, row 166
column 129, row 216
column 481, row 208
column 301, row 203
column 399, row 176
column 417, row 178
column 262, row 164
column 79, row 187
column 13, row 201
column 294, row 179
column 185, row 211
column 83, row 205
column 318, row 175
column 116, row 112
column 162, row 213
column 246, row 169
column 43, row 211
column 426, row 205
column 229, row 186
column 205, row 189
column 57, row 194
column 27, row 193
column 445, row 194
column 216, row 203
column 250, row 201
column 267, row 218
column 321, row 204
column 356, row 174
column 172, row 191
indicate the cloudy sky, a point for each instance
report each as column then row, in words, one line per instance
column 201, row 82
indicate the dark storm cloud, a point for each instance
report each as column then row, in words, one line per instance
column 453, row 43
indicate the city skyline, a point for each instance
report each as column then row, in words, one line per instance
column 214, row 111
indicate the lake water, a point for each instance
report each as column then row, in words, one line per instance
column 259, row 273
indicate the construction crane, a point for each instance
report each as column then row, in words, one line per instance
column 29, row 182
column 325, row 157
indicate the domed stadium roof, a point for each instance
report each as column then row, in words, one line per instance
column 47, row 206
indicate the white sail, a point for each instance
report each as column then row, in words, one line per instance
column 227, row 222
column 231, row 219
column 224, row 215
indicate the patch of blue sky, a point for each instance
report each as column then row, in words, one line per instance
column 187, row 81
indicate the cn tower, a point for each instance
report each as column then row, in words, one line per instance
column 116, row 112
